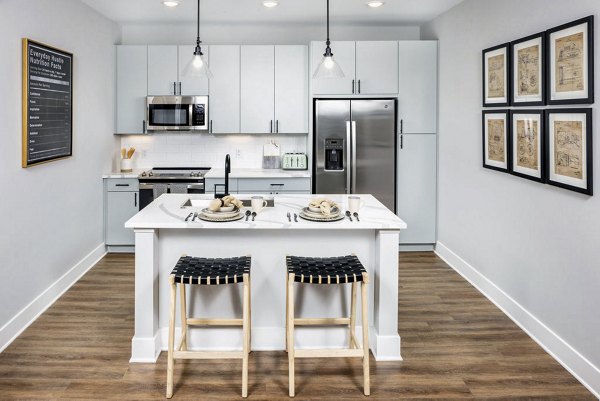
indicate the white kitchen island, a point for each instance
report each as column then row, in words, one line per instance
column 162, row 236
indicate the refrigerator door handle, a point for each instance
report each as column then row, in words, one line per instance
column 353, row 157
column 348, row 146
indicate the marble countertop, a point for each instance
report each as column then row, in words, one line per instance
column 167, row 212
column 258, row 173
column 118, row 174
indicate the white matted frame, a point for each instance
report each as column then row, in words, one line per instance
column 571, row 165
column 573, row 81
column 528, row 72
column 496, row 72
column 527, row 144
column 495, row 125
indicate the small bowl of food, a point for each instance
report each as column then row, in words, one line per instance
column 226, row 208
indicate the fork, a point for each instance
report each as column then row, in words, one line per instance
column 188, row 217
column 289, row 216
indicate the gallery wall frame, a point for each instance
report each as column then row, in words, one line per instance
column 570, row 63
column 526, row 144
column 495, row 139
column 528, row 70
column 496, row 76
column 569, row 149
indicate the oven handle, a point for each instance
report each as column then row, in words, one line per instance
column 195, row 186
column 146, row 186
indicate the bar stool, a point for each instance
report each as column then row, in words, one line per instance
column 205, row 271
column 336, row 270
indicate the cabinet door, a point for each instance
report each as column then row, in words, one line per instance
column 377, row 68
column 258, row 89
column 162, row 70
column 120, row 207
column 132, row 80
column 291, row 89
column 417, row 177
column 224, row 89
column 191, row 86
column 417, row 99
column 344, row 55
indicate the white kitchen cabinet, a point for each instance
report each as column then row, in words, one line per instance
column 162, row 71
column 417, row 187
column 376, row 68
column 417, row 98
column 344, row 55
column 274, row 185
column 132, row 81
column 257, row 89
column 291, row 89
column 191, row 86
column 224, row 89
column 121, row 203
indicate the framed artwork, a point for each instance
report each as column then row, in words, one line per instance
column 495, row 139
column 528, row 71
column 496, row 88
column 569, row 149
column 526, row 144
column 571, row 62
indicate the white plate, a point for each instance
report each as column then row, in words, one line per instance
column 213, row 214
column 235, row 217
column 335, row 211
column 323, row 218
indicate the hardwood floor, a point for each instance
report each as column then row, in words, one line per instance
column 455, row 344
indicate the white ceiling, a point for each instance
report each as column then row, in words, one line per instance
column 400, row 12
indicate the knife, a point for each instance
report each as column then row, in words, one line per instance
column 195, row 215
column 189, row 215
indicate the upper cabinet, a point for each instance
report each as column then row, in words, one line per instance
column 224, row 94
column 132, row 80
column 370, row 68
column 257, row 89
column 191, row 86
column 291, row 89
column 417, row 99
column 162, row 71
column 376, row 68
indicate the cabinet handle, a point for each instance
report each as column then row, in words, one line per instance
column 277, row 185
column 210, row 126
column 174, row 88
column 401, row 141
column 352, row 86
column 135, row 199
column 180, row 88
column 277, row 126
column 143, row 126
column 359, row 86
column 121, row 185
column 402, row 126
column 271, row 126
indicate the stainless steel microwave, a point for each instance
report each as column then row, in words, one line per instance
column 177, row 113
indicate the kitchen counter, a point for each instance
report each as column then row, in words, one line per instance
column 162, row 236
column 258, row 173
column 118, row 174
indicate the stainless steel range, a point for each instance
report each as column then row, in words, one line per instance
column 161, row 180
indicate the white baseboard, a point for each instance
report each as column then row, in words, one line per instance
column 15, row 326
column 582, row 369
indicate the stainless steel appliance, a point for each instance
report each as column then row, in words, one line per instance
column 161, row 180
column 177, row 113
column 354, row 149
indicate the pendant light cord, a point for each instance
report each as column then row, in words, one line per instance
column 198, row 24
column 328, row 42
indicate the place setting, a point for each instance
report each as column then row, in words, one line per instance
column 221, row 210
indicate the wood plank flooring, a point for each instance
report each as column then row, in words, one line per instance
column 455, row 344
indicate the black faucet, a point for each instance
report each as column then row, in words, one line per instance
column 227, row 171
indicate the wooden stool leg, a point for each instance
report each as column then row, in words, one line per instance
column 170, row 360
column 249, row 315
column 352, row 333
column 365, row 332
column 290, row 333
column 246, row 340
column 287, row 312
column 183, row 312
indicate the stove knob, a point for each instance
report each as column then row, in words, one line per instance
column 150, row 174
column 143, row 173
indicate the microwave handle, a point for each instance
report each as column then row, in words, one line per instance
column 210, row 126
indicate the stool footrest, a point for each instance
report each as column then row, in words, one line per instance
column 214, row 322
column 329, row 353
column 208, row 354
column 332, row 321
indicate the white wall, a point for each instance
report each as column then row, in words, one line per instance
column 51, row 215
column 251, row 34
column 539, row 244
column 205, row 150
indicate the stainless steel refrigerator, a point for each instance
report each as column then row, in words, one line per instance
column 354, row 149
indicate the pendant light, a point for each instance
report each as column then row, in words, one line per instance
column 197, row 66
column 328, row 68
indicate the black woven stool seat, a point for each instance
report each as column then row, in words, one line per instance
column 207, row 271
column 335, row 270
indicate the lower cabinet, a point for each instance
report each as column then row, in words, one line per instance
column 417, row 188
column 121, row 203
column 269, row 186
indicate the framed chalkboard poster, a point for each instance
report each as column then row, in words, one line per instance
column 47, row 103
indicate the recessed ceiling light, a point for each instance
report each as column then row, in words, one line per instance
column 270, row 3
column 375, row 3
column 170, row 3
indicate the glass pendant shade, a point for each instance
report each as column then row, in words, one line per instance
column 328, row 68
column 197, row 67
